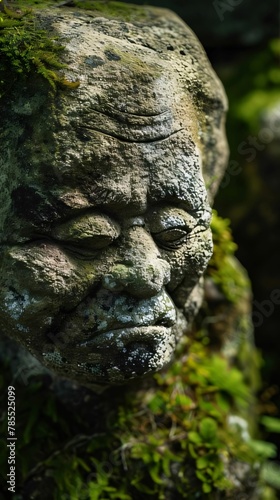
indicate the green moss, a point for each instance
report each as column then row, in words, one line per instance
column 34, row 4
column 172, row 434
column 114, row 10
column 26, row 49
column 223, row 268
column 104, row 8
column 137, row 66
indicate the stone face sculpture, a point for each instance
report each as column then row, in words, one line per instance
column 105, row 212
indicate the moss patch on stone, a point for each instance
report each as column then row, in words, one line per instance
column 225, row 271
column 114, row 10
column 133, row 63
column 27, row 49
column 96, row 8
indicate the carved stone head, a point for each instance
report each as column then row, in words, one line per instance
column 105, row 194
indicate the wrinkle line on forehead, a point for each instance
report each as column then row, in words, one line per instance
column 118, row 113
column 159, row 138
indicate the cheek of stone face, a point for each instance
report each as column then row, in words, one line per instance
column 189, row 262
column 38, row 281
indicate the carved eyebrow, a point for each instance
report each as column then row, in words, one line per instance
column 178, row 201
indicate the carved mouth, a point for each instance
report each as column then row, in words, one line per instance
column 129, row 352
column 121, row 337
column 132, row 332
column 112, row 351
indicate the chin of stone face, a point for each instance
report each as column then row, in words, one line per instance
column 106, row 194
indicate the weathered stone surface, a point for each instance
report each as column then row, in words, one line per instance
column 105, row 212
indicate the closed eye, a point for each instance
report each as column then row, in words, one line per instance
column 90, row 243
column 87, row 234
column 173, row 238
column 78, row 251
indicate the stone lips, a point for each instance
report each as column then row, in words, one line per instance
column 122, row 354
column 130, row 339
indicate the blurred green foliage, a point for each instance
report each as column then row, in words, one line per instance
column 223, row 266
column 252, row 83
column 253, row 86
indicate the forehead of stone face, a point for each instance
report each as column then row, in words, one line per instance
column 140, row 82
column 158, row 37
column 125, row 92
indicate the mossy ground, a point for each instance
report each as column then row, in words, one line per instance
column 171, row 436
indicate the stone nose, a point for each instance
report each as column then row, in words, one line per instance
column 141, row 272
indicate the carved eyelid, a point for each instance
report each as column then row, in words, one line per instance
column 171, row 220
column 81, row 228
column 183, row 229
column 87, row 227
